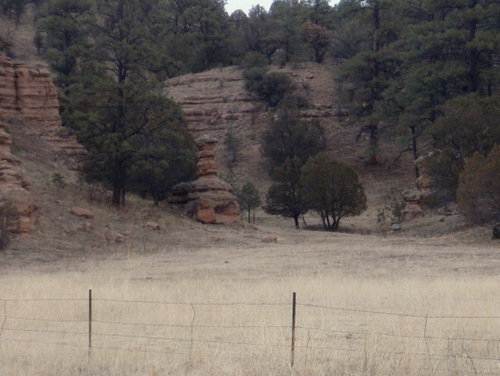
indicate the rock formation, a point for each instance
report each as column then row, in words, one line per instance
column 29, row 93
column 214, row 98
column 216, row 103
column 208, row 199
column 13, row 187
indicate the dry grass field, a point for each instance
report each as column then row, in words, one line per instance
column 218, row 301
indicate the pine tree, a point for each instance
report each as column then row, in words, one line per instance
column 66, row 25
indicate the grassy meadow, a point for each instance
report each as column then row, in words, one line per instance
column 223, row 310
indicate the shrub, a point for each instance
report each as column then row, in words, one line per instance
column 58, row 181
column 270, row 87
column 254, row 59
column 395, row 204
column 9, row 222
column 479, row 187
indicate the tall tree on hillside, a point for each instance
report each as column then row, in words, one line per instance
column 446, row 50
column 66, row 24
column 320, row 13
column 122, row 119
column 367, row 74
column 197, row 34
column 258, row 33
column 318, row 38
column 289, row 16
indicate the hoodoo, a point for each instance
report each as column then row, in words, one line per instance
column 208, row 199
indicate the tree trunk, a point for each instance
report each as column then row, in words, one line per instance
column 117, row 195
column 373, row 129
column 414, row 150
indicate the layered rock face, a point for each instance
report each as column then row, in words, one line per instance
column 13, row 187
column 28, row 99
column 30, row 94
column 208, row 199
column 212, row 99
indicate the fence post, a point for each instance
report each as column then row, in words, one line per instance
column 294, row 304
column 90, row 323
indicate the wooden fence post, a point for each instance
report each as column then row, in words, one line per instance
column 90, row 323
column 294, row 304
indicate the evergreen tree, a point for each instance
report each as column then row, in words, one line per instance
column 288, row 137
column 249, row 199
column 369, row 72
column 445, row 51
column 66, row 24
column 469, row 124
column 289, row 16
column 121, row 118
column 479, row 189
column 332, row 189
column 286, row 197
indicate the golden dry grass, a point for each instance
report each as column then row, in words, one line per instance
column 366, row 306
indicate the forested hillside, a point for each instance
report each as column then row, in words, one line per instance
column 424, row 74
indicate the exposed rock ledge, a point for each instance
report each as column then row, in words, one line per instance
column 13, row 186
column 29, row 93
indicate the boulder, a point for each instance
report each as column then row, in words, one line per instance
column 412, row 208
column 113, row 237
column 396, row 227
column 152, row 226
column 270, row 239
column 82, row 212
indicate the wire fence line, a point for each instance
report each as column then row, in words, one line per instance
column 95, row 327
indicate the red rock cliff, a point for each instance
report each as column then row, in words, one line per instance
column 29, row 93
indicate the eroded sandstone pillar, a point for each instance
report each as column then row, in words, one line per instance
column 208, row 199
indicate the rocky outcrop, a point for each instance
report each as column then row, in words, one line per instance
column 412, row 208
column 208, row 199
column 216, row 103
column 211, row 100
column 13, row 187
column 29, row 93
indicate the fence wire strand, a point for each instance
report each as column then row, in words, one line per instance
column 104, row 323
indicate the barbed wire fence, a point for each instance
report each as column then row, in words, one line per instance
column 300, row 331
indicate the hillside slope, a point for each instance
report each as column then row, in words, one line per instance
column 216, row 103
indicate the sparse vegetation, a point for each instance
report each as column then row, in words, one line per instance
column 394, row 205
column 249, row 200
column 9, row 222
column 232, row 144
column 271, row 87
column 479, row 187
